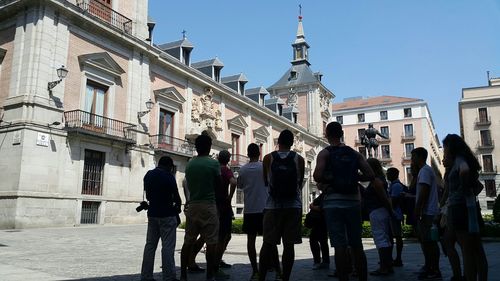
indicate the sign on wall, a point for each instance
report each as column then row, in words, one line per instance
column 42, row 139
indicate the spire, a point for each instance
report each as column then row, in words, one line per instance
column 300, row 46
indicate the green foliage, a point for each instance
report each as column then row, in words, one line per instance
column 496, row 210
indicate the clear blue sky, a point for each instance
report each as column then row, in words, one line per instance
column 422, row 49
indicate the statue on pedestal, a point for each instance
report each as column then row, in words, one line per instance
column 369, row 140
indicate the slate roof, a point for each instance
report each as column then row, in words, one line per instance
column 254, row 91
column 205, row 63
column 304, row 76
column 273, row 101
column 179, row 43
column 238, row 77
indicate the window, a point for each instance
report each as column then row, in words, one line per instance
column 383, row 115
column 408, row 148
column 298, row 53
column 280, row 109
column 361, row 133
column 239, row 196
column 362, row 150
column 483, row 115
column 485, row 138
column 166, row 123
column 235, row 144
column 490, row 204
column 407, row 112
column 409, row 176
column 361, row 117
column 95, row 103
column 408, row 130
column 490, row 188
column 386, row 151
column 90, row 211
column 488, row 163
column 340, row 119
column 294, row 118
column 293, row 75
column 93, row 167
column 384, row 130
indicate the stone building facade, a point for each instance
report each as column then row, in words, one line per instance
column 480, row 129
column 407, row 123
column 75, row 151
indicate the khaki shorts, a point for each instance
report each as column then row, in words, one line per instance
column 283, row 224
column 202, row 219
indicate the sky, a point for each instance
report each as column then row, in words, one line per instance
column 427, row 49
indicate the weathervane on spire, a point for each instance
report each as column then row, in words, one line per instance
column 183, row 34
column 300, row 11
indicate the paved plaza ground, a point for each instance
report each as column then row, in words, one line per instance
column 105, row 253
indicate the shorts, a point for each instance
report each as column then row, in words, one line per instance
column 344, row 226
column 282, row 224
column 396, row 227
column 424, row 228
column 201, row 219
column 380, row 222
column 252, row 223
column 225, row 225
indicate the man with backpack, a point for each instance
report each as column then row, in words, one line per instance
column 396, row 189
column 337, row 172
column 283, row 172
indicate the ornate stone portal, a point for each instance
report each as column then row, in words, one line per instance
column 205, row 113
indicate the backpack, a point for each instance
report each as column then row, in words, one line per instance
column 283, row 177
column 341, row 173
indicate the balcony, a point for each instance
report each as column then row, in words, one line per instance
column 387, row 158
column 406, row 158
column 172, row 145
column 484, row 121
column 79, row 121
column 357, row 140
column 408, row 136
column 489, row 170
column 105, row 14
column 382, row 140
column 485, row 144
column 238, row 160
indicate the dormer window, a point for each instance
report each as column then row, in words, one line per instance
column 294, row 118
column 242, row 87
column 293, row 75
column 217, row 74
column 261, row 99
column 280, row 109
column 185, row 56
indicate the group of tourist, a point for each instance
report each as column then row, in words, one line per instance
column 350, row 187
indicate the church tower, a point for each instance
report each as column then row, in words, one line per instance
column 307, row 100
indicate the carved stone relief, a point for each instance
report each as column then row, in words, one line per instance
column 205, row 113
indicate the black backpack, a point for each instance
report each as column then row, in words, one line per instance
column 283, row 177
column 341, row 173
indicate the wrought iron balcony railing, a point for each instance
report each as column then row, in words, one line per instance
column 408, row 136
column 89, row 123
column 238, row 160
column 406, row 157
column 385, row 158
column 489, row 170
column 483, row 121
column 486, row 144
column 106, row 14
column 172, row 144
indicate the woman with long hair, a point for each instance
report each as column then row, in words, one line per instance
column 462, row 213
column 379, row 208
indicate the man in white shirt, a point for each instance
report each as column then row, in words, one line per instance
column 426, row 210
column 251, row 181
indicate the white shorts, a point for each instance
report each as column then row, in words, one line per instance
column 380, row 222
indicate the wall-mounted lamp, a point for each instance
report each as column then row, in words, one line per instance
column 149, row 106
column 61, row 73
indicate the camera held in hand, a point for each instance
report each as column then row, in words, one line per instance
column 142, row 206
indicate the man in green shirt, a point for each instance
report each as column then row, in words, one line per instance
column 203, row 177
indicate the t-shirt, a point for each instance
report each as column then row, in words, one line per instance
column 251, row 181
column 162, row 194
column 395, row 190
column 200, row 175
column 293, row 203
column 457, row 192
column 427, row 176
column 222, row 193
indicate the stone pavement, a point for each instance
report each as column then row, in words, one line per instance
column 105, row 253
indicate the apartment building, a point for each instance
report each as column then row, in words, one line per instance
column 88, row 104
column 478, row 108
column 406, row 122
